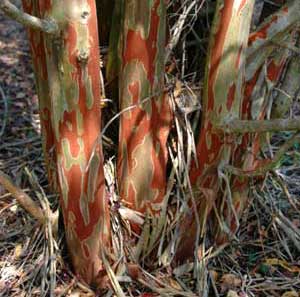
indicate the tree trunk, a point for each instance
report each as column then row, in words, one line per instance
column 257, row 101
column 66, row 65
column 144, row 129
column 36, row 40
column 223, row 89
column 68, row 82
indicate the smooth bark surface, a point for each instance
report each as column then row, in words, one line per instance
column 38, row 52
column 68, row 81
column 223, row 88
column 144, row 129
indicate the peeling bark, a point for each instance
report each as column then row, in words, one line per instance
column 275, row 28
column 255, row 104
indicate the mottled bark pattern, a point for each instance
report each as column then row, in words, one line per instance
column 223, row 89
column 70, row 67
column 36, row 40
column 275, row 28
column 246, row 156
column 223, row 85
column 290, row 88
column 144, row 129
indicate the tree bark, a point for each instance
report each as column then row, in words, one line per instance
column 142, row 156
column 254, row 109
column 69, row 88
column 38, row 53
column 223, row 89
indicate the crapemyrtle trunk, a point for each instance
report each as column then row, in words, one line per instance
column 68, row 82
column 214, row 150
column 144, row 128
column 223, row 90
column 263, row 72
column 246, row 155
column 289, row 87
column 36, row 40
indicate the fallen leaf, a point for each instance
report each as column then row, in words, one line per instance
column 290, row 294
column 18, row 251
column 283, row 264
column 232, row 294
column 183, row 269
column 214, row 275
column 174, row 284
column 230, row 281
column 133, row 270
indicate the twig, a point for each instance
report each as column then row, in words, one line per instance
column 291, row 47
column 280, row 179
column 290, row 233
column 178, row 28
column 25, row 201
column 259, row 126
column 164, row 289
column 269, row 166
column 51, row 228
column 47, row 26
column 213, row 284
column 21, row 142
column 5, row 116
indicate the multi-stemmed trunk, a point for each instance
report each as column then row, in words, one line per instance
column 65, row 51
column 239, row 69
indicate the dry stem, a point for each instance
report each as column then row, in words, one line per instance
column 24, row 200
column 47, row 26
